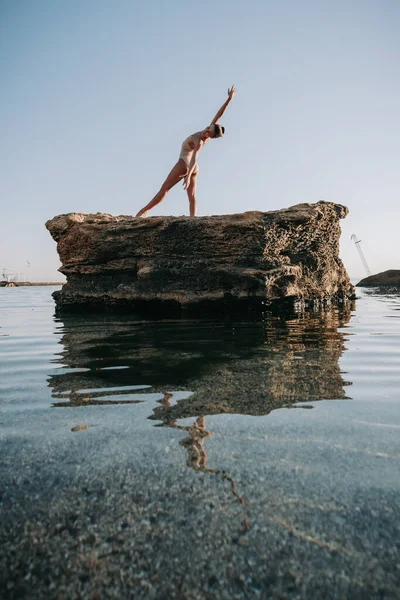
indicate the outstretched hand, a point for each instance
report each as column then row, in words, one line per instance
column 231, row 92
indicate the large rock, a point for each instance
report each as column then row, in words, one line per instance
column 244, row 259
column 391, row 277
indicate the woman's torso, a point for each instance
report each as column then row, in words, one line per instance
column 188, row 147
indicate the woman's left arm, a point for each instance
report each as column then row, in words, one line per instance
column 225, row 105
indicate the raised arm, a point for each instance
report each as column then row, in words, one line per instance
column 223, row 108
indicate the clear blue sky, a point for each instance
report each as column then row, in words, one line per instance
column 97, row 96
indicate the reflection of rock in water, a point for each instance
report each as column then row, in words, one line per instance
column 297, row 363
column 249, row 368
column 242, row 368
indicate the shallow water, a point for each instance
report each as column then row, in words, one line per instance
column 289, row 428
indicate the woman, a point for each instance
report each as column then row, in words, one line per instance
column 186, row 168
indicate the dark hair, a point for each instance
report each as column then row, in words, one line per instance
column 218, row 131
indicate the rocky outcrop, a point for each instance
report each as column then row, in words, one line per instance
column 391, row 278
column 246, row 259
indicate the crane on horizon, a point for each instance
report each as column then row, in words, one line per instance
column 361, row 253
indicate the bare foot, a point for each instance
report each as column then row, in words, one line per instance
column 142, row 214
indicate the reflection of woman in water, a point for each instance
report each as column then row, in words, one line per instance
column 186, row 168
column 196, row 453
column 197, row 456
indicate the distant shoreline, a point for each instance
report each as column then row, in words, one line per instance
column 29, row 284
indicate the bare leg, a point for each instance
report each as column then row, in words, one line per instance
column 177, row 173
column 191, row 192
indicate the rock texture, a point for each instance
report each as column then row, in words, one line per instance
column 245, row 259
column 391, row 277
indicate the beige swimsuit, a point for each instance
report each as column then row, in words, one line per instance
column 186, row 154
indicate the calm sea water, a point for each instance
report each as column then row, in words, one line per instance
column 303, row 409
column 353, row 353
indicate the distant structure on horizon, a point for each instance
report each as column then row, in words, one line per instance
column 361, row 253
column 8, row 275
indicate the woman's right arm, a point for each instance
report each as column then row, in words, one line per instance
column 193, row 162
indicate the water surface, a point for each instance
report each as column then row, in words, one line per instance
column 196, row 459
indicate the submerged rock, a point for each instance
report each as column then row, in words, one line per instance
column 246, row 259
column 391, row 277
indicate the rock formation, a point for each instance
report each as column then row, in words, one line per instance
column 391, row 277
column 247, row 259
